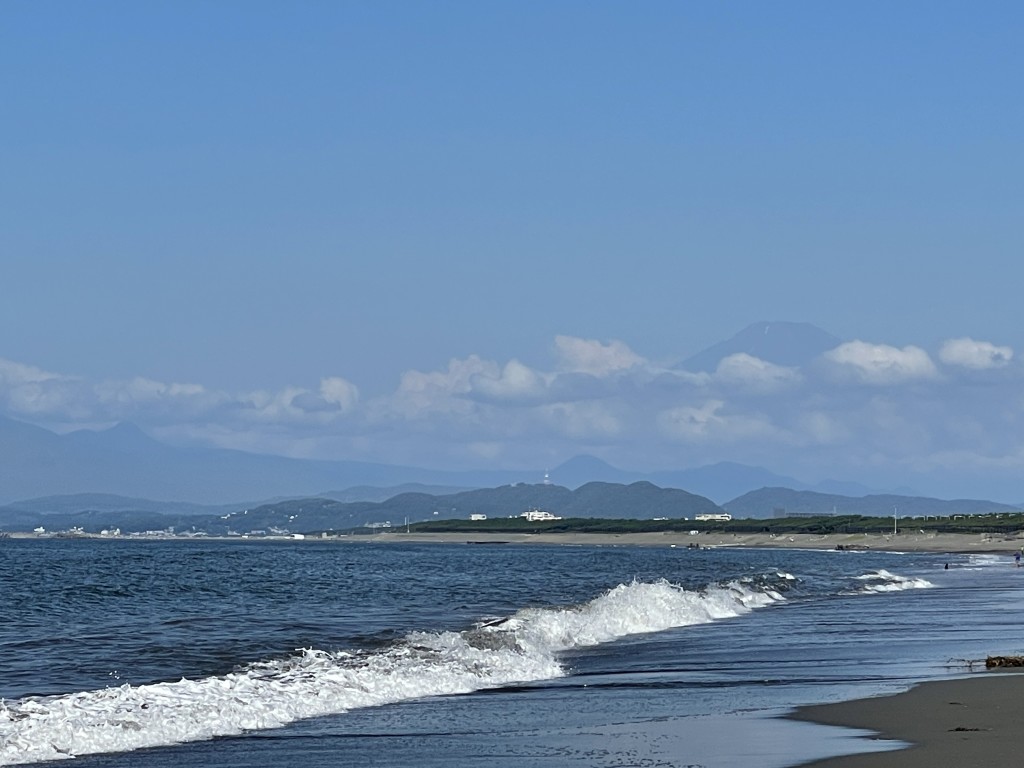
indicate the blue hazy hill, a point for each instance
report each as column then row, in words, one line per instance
column 124, row 461
column 779, row 342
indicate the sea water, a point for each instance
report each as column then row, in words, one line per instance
column 257, row 653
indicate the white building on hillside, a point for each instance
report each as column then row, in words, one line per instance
column 537, row 515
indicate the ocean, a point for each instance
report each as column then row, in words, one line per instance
column 176, row 653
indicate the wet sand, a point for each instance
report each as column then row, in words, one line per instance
column 883, row 542
column 970, row 722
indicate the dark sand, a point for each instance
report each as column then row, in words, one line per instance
column 904, row 541
column 973, row 722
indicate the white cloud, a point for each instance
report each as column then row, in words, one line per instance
column 880, row 363
column 599, row 396
column 708, row 423
column 340, row 392
column 56, row 399
column 262, row 405
column 31, row 391
column 421, row 394
column 689, row 422
column 593, row 357
column 142, row 390
column 294, row 406
column 515, row 383
column 753, row 373
column 976, row 355
column 13, row 374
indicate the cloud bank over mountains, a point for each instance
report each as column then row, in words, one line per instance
column 945, row 421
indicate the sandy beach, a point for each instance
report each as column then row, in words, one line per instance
column 971, row 722
column 878, row 542
column 881, row 542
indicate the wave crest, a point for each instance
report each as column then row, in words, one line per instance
column 885, row 581
column 269, row 694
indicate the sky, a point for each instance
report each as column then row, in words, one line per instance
column 462, row 235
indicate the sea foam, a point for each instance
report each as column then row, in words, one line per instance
column 884, row 581
column 523, row 647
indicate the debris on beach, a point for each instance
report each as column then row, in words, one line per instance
column 1004, row 661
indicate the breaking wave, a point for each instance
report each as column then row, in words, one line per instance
column 977, row 560
column 520, row 648
column 885, row 581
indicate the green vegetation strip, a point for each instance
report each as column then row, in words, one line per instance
column 1001, row 523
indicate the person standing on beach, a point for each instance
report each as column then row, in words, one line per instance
column 1016, row 558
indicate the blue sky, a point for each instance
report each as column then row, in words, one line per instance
column 305, row 228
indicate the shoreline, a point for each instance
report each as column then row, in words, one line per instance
column 951, row 543
column 965, row 721
column 968, row 721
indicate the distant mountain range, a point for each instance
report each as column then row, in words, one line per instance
column 781, row 343
column 594, row 500
column 306, row 515
column 108, row 502
column 766, row 501
column 123, row 461
column 122, row 469
column 720, row 481
column 640, row 500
